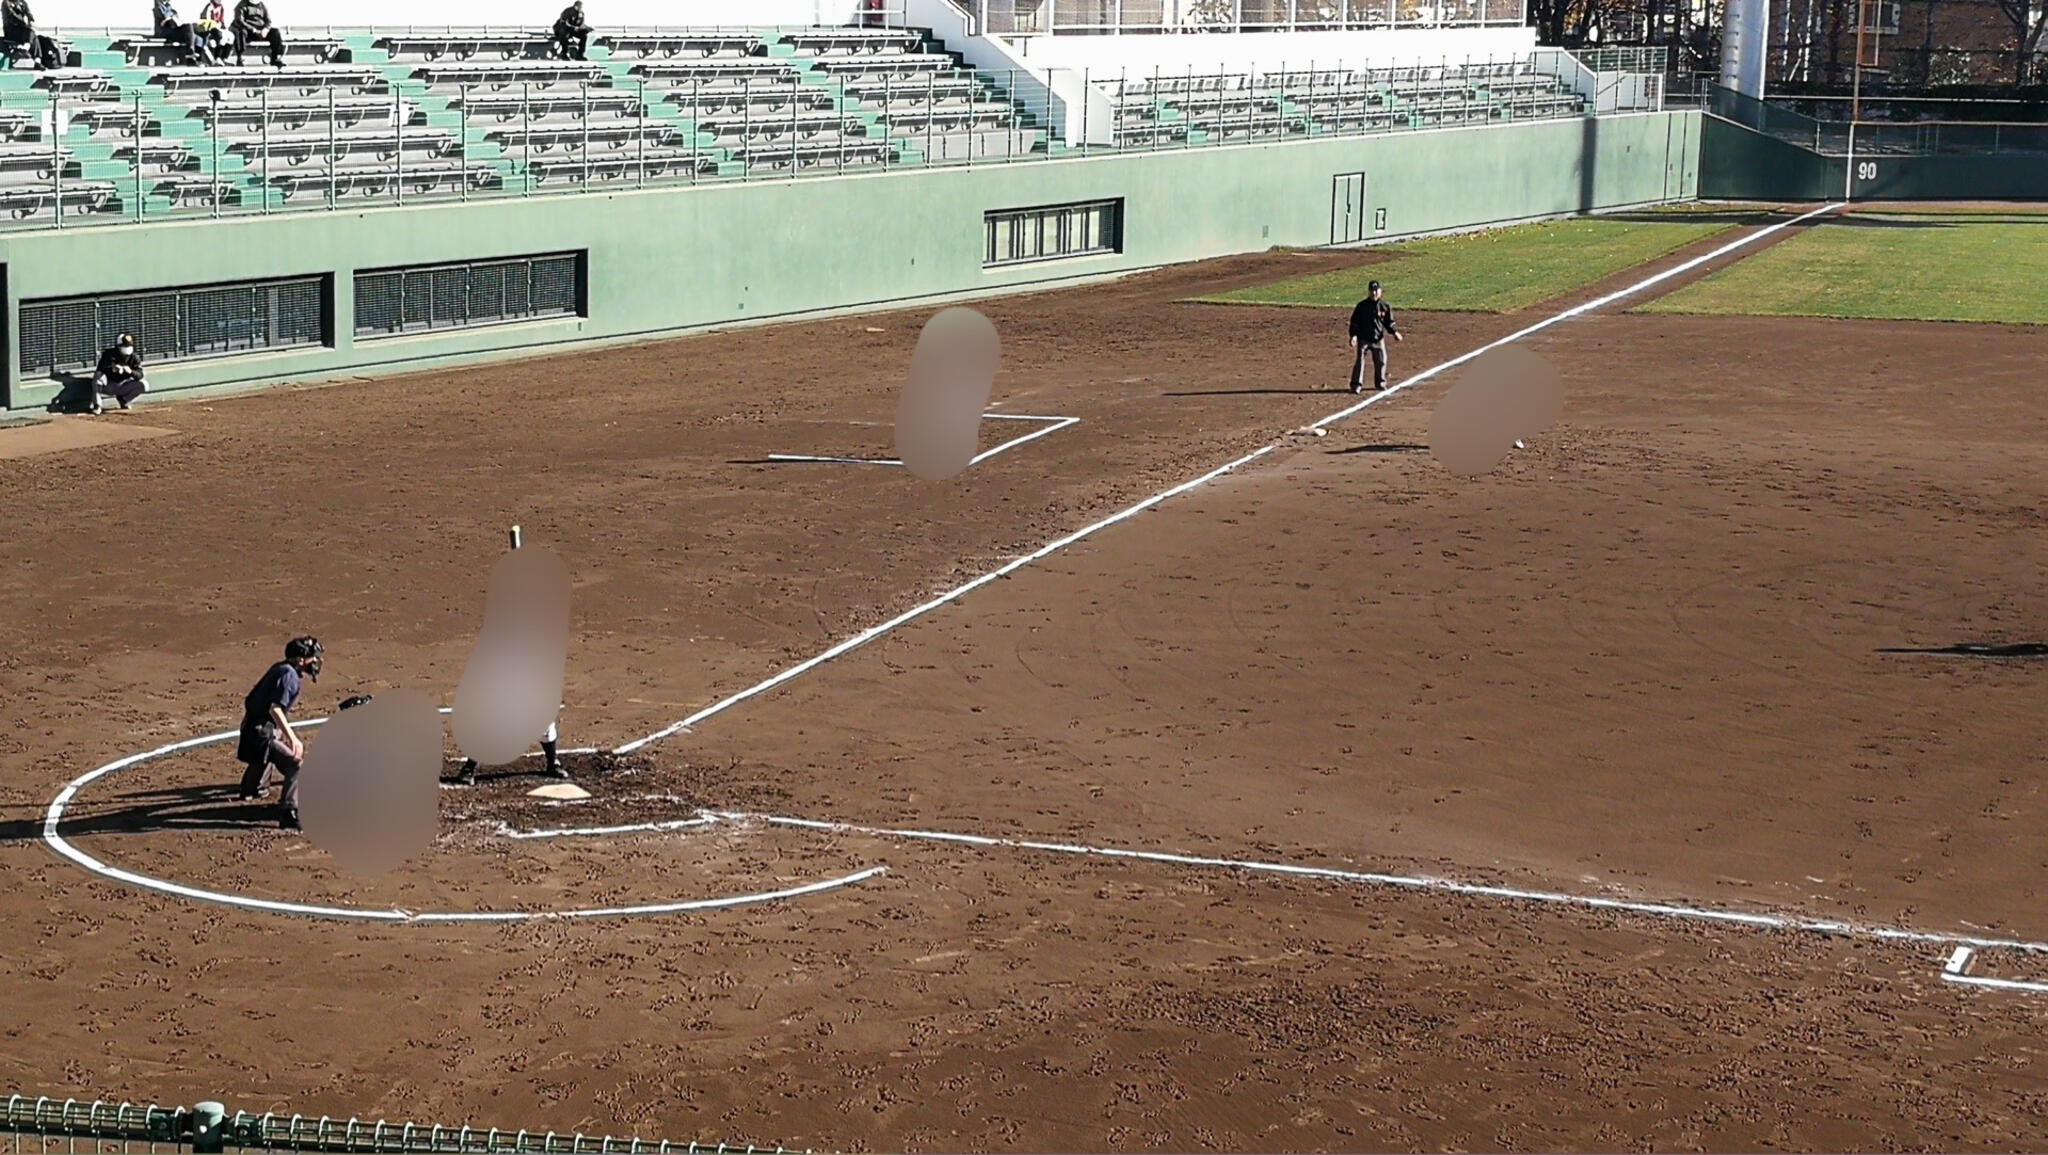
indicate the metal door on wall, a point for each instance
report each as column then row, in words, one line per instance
column 1347, row 208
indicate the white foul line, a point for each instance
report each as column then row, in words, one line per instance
column 1053, row 547
column 1578, row 311
column 873, row 632
column 1441, row 885
column 1058, row 423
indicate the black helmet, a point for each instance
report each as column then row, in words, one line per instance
column 307, row 649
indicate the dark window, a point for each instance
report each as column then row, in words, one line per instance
column 1015, row 236
column 425, row 298
column 66, row 335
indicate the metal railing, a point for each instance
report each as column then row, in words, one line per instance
column 1876, row 137
column 1653, row 59
column 1140, row 17
column 1164, row 110
column 46, row 1125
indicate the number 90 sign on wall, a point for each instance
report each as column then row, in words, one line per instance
column 1866, row 170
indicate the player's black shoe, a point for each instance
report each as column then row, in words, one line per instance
column 467, row 777
column 289, row 820
column 557, row 770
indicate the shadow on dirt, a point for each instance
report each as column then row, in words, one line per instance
column 2021, row 650
column 1382, row 447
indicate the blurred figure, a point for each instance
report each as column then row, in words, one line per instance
column 119, row 375
column 252, row 25
column 572, row 29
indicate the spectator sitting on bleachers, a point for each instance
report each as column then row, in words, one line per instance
column 119, row 375
column 180, row 35
column 252, row 23
column 211, row 29
column 570, row 27
column 18, row 32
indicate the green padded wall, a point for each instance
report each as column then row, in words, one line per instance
column 670, row 259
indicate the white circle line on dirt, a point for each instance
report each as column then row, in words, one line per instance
column 55, row 816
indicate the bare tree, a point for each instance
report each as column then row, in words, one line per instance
column 2029, row 20
column 1566, row 23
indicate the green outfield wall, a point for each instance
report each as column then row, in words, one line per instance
column 681, row 258
column 1740, row 163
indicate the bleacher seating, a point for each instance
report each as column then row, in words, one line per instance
column 1163, row 111
column 669, row 46
column 363, row 118
column 462, row 47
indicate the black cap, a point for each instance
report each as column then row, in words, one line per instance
column 1371, row 287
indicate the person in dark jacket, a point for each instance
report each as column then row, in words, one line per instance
column 1371, row 323
column 18, row 33
column 572, row 30
column 192, row 49
column 252, row 25
column 267, row 739
column 119, row 375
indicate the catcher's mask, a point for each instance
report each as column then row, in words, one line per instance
column 308, row 650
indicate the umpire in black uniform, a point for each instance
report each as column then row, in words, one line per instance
column 1372, row 321
column 267, row 739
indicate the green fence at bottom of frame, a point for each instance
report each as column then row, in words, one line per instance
column 47, row 1126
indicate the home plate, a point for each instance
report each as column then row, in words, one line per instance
column 563, row 791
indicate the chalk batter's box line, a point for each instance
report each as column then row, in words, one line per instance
column 1056, row 424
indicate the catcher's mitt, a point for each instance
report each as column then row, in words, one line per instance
column 358, row 700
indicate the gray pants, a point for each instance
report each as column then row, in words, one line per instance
column 262, row 749
column 1378, row 351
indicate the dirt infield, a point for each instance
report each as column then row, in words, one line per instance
column 1685, row 649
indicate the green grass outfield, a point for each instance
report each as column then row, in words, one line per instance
column 1903, row 265
column 1497, row 271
